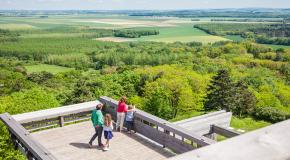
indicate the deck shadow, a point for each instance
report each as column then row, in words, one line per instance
column 80, row 145
column 151, row 145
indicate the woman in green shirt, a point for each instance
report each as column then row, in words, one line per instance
column 98, row 122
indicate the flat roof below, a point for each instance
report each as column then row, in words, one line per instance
column 71, row 143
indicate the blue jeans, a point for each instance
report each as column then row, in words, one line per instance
column 130, row 125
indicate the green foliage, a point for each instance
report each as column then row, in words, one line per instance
column 8, row 36
column 12, row 81
column 27, row 101
column 266, row 98
column 275, row 41
column 78, row 61
column 134, row 33
column 223, row 93
column 220, row 92
column 145, row 53
column 6, row 151
column 245, row 100
column 179, row 90
column 269, row 114
column 158, row 101
column 227, row 28
column 276, row 34
column 248, row 124
column 40, row 77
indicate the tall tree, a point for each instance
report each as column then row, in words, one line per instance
column 245, row 100
column 220, row 92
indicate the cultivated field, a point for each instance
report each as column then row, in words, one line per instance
column 115, row 39
column 182, row 33
column 171, row 29
column 48, row 68
column 12, row 26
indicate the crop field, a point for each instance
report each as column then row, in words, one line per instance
column 115, row 39
column 48, row 68
column 12, row 26
column 171, row 29
column 183, row 33
column 235, row 38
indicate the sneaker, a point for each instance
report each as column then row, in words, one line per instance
column 129, row 132
column 106, row 149
column 90, row 145
column 101, row 145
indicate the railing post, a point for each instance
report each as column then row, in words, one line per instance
column 212, row 135
column 61, row 121
column 14, row 139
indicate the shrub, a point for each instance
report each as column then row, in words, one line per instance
column 269, row 114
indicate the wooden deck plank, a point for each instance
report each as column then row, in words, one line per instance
column 71, row 142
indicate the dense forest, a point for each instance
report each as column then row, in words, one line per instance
column 278, row 34
column 171, row 80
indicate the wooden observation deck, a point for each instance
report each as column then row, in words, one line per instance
column 63, row 134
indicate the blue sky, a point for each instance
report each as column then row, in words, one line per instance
column 140, row 4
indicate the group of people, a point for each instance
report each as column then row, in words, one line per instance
column 104, row 124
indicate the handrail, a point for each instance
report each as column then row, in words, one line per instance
column 53, row 117
column 224, row 131
column 55, row 112
column 21, row 138
column 166, row 125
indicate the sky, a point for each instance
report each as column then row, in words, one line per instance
column 138, row 4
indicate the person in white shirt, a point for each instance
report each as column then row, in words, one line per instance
column 108, row 128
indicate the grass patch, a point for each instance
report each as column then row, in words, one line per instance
column 187, row 115
column 12, row 26
column 247, row 124
column 182, row 33
column 277, row 46
column 48, row 68
column 235, row 38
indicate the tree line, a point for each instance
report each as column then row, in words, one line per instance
column 134, row 33
column 277, row 34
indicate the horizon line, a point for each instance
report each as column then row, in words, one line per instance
column 144, row 9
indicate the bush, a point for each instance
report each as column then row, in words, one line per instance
column 269, row 114
column 40, row 77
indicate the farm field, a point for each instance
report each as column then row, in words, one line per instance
column 115, row 39
column 182, row 33
column 235, row 38
column 171, row 29
column 48, row 68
